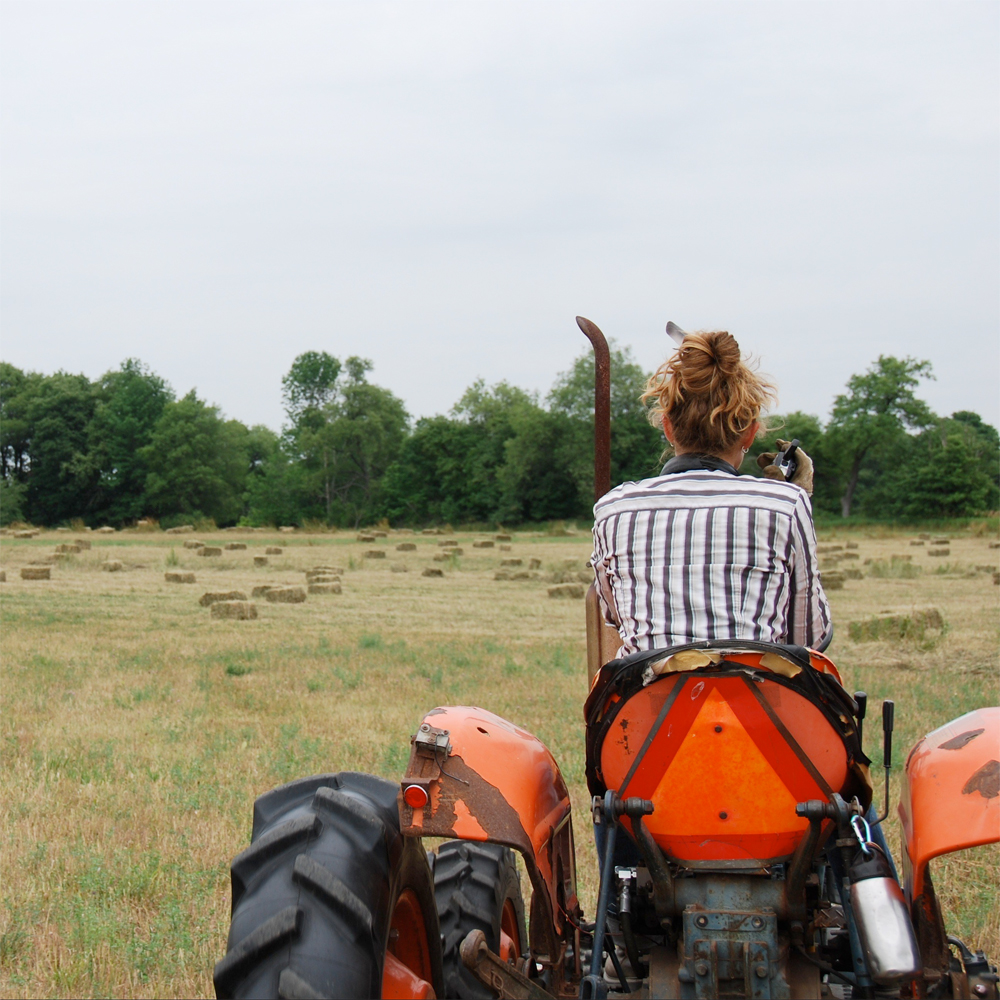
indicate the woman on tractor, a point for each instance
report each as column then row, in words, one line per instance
column 701, row 552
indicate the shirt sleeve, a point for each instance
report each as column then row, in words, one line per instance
column 810, row 610
column 600, row 560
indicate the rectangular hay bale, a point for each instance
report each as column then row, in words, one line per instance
column 325, row 588
column 238, row 610
column 36, row 573
column 175, row 577
column 214, row 596
column 235, row 546
column 273, row 550
column 407, row 547
column 286, row 595
column 190, row 543
column 210, row 550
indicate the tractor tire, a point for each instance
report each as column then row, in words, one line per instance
column 329, row 899
column 477, row 887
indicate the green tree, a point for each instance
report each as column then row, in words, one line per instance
column 197, row 462
column 877, row 407
column 636, row 446
column 311, row 384
column 60, row 482
column 16, row 392
column 129, row 403
column 12, row 500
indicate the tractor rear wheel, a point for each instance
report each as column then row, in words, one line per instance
column 330, row 900
column 477, row 888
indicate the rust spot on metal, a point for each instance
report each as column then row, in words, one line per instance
column 957, row 742
column 986, row 781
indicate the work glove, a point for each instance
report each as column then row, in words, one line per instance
column 803, row 474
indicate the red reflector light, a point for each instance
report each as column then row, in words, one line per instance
column 415, row 796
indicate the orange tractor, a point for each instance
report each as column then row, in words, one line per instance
column 731, row 796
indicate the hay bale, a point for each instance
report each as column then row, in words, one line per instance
column 985, row 569
column 181, row 529
column 262, row 590
column 366, row 538
column 190, row 543
column 238, row 610
column 62, row 529
column 214, row 596
column 336, row 570
column 941, row 541
column 898, row 558
column 429, row 571
column 66, row 549
column 510, row 562
column 996, row 577
column 322, row 578
column 175, row 577
column 850, row 555
column 447, row 543
column 917, row 541
column 3, row 576
column 407, row 547
column 286, row 595
column 324, row 588
column 505, row 548
column 924, row 536
column 26, row 534
column 896, row 627
column 573, row 591
column 112, row 566
column 825, row 549
column 850, row 545
column 832, row 580
column 36, row 573
column 375, row 554
column 286, row 528
column 106, row 530
column 939, row 552
column 400, row 568
column 83, row 543
column 482, row 545
column 534, row 564
column 260, row 560
column 381, row 534
column 273, row 550
column 503, row 538
column 995, row 545
column 209, row 550
column 235, row 546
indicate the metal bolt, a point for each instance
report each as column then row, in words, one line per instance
column 718, row 729
column 701, row 968
column 760, row 970
column 701, row 921
column 980, row 989
column 425, row 728
column 757, row 923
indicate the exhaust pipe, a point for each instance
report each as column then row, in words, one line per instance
column 602, row 406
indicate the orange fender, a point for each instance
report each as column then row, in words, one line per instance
column 951, row 793
column 498, row 783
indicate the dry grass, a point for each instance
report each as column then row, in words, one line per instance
column 137, row 731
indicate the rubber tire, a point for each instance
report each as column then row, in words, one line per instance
column 472, row 881
column 314, row 893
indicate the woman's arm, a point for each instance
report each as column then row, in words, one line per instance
column 809, row 615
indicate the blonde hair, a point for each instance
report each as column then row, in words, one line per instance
column 710, row 394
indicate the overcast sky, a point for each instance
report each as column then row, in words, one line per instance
column 441, row 187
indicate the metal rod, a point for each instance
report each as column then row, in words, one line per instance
column 602, row 406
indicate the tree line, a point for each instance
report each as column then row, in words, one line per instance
column 125, row 447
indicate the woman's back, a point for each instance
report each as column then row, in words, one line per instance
column 706, row 554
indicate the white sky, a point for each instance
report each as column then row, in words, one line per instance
column 442, row 187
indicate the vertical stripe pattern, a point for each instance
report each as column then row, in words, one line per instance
column 708, row 555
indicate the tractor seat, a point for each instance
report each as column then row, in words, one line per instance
column 725, row 738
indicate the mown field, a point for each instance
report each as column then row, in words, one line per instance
column 137, row 730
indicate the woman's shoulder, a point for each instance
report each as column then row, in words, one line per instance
column 701, row 488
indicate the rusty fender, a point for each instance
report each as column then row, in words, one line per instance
column 487, row 780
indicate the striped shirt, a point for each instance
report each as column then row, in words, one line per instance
column 708, row 555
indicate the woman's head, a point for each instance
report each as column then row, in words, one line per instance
column 706, row 395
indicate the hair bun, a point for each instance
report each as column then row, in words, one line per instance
column 707, row 360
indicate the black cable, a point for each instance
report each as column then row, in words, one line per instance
column 844, row 977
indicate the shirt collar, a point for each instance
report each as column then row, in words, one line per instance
column 692, row 463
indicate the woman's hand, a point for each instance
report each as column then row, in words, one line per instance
column 803, row 474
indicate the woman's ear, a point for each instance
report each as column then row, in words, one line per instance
column 749, row 435
column 668, row 429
